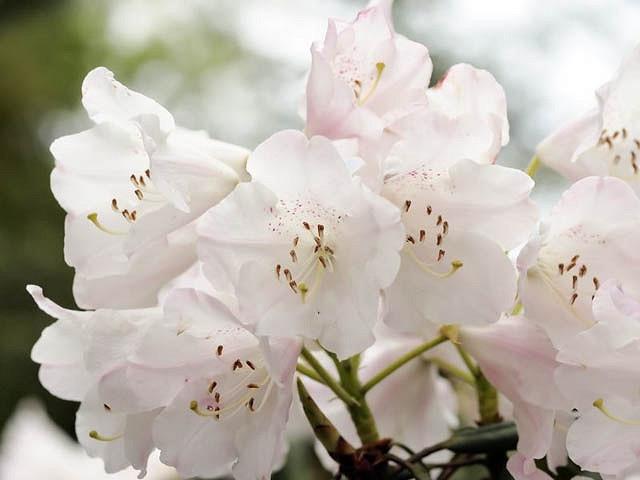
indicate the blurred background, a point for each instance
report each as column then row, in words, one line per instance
column 237, row 69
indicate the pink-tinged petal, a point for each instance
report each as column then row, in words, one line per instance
column 107, row 100
column 518, row 358
column 427, row 136
column 522, row 468
column 465, row 89
column 600, row 444
column 289, row 164
column 427, row 291
column 589, row 238
column 535, row 429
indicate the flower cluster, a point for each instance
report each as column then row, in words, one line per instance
column 381, row 233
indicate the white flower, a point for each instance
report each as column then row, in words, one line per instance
column 461, row 212
column 33, row 447
column 590, row 237
column 605, row 141
column 128, row 185
column 363, row 76
column 223, row 395
column 306, row 247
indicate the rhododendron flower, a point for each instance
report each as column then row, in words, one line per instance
column 153, row 378
column 605, row 141
column 590, row 237
column 460, row 218
column 305, row 245
column 128, row 185
column 364, row 75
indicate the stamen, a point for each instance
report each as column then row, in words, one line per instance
column 573, row 298
column 561, row 268
column 103, row 438
column 294, row 257
column 596, row 283
column 139, row 194
column 147, row 172
column 439, row 221
column 253, row 385
column 441, row 254
column 219, row 350
column 106, row 407
column 445, row 227
column 321, row 231
column 407, row 205
column 323, row 262
column 213, row 386
column 574, row 281
column 295, row 241
column 250, row 404
column 571, row 265
column 329, row 250
column 439, row 239
column 306, row 226
column 411, row 240
column 624, row 132
column 250, row 364
column 278, row 268
column 134, row 180
column 429, row 209
column 114, row 205
column 217, row 397
column 599, row 404
column 294, row 286
column 93, row 218
column 582, row 271
column 237, row 364
column 423, row 234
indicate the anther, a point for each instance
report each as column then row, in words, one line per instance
column 407, row 205
column 287, row 275
column 615, row 134
column 323, row 262
column 237, row 364
column 422, row 235
column 571, row 265
column 106, row 407
column 637, row 142
column 212, row 386
column 138, row 194
column 608, row 142
column 278, row 268
column 441, row 254
column 306, row 225
column 575, row 281
column 329, row 250
column 294, row 257
column 411, row 240
column 114, row 205
column 103, row 438
column 250, row 364
column 216, row 397
column 624, row 133
column 250, row 404
column 253, row 385
column 573, row 298
column 294, row 286
column 575, row 258
column 295, row 241
column 134, row 215
column 596, row 283
column 147, row 172
column 321, row 231
column 134, row 180
column 439, row 221
column 561, row 268
column 219, row 350
column 429, row 210
column 445, row 227
column 582, row 271
column 439, row 239
column 142, row 182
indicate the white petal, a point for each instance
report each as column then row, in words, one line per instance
column 476, row 293
column 106, row 99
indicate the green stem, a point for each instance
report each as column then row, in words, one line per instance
column 533, row 166
column 360, row 413
column 399, row 362
column 328, row 380
column 308, row 372
column 488, row 401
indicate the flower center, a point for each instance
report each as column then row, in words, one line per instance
column 144, row 191
column 311, row 255
column 246, row 388
column 356, row 72
column 622, row 152
column 427, row 230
